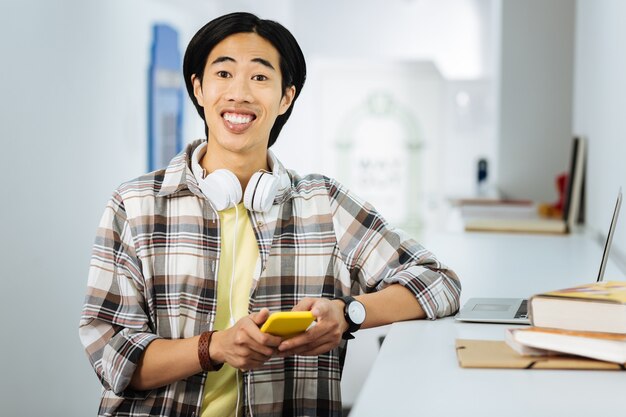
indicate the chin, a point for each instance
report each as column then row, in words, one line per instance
column 237, row 145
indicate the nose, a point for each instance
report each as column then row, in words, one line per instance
column 239, row 90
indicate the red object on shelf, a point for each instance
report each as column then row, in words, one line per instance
column 561, row 183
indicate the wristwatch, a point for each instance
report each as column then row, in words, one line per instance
column 354, row 313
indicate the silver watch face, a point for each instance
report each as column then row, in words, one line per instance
column 356, row 311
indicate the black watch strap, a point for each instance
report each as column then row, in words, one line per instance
column 352, row 326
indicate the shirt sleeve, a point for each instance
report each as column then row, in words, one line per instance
column 115, row 327
column 378, row 255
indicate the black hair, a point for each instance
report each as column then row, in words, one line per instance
column 292, row 64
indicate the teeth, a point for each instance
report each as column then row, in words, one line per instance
column 237, row 118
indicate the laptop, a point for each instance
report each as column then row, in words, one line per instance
column 514, row 310
column 506, row 220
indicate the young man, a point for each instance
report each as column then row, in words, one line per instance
column 184, row 273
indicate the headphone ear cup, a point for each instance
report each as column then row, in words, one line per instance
column 222, row 188
column 260, row 192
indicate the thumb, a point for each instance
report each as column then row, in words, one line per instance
column 260, row 317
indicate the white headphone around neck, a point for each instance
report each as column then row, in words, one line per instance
column 221, row 187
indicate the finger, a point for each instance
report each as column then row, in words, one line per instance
column 260, row 349
column 322, row 308
column 253, row 331
column 248, row 355
column 245, row 334
column 242, row 357
column 317, row 330
column 289, row 350
column 259, row 342
column 304, row 305
column 259, row 337
column 309, row 337
column 296, row 341
column 260, row 317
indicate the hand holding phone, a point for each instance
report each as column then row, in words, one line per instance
column 287, row 324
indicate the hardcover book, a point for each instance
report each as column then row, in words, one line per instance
column 536, row 341
column 596, row 307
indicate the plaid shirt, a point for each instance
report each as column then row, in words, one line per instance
column 153, row 275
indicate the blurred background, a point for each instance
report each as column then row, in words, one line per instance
column 403, row 99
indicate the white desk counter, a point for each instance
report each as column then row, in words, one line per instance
column 509, row 265
column 416, row 372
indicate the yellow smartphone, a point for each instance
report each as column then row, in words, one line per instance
column 287, row 323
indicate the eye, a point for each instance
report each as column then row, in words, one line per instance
column 259, row 77
column 223, row 74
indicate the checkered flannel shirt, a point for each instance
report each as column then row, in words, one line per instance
column 153, row 274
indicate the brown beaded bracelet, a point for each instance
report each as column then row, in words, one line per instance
column 203, row 353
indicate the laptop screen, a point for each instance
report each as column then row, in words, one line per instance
column 609, row 236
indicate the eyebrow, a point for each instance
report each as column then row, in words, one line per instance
column 261, row 61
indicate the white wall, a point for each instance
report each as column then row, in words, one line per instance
column 72, row 127
column 385, row 31
column 599, row 103
column 537, row 46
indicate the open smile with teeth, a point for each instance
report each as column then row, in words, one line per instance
column 238, row 118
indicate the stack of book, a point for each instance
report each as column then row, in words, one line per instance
column 522, row 216
column 588, row 320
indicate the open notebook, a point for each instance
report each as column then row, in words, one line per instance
column 536, row 224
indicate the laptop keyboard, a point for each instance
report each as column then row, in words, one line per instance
column 522, row 311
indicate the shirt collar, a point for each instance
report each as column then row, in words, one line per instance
column 179, row 175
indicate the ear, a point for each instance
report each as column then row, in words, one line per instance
column 287, row 99
column 197, row 89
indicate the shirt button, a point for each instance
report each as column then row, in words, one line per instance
column 259, row 223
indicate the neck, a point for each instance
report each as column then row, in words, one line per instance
column 243, row 165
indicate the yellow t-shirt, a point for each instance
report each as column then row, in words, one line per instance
column 220, row 390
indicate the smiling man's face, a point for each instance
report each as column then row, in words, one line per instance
column 241, row 93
